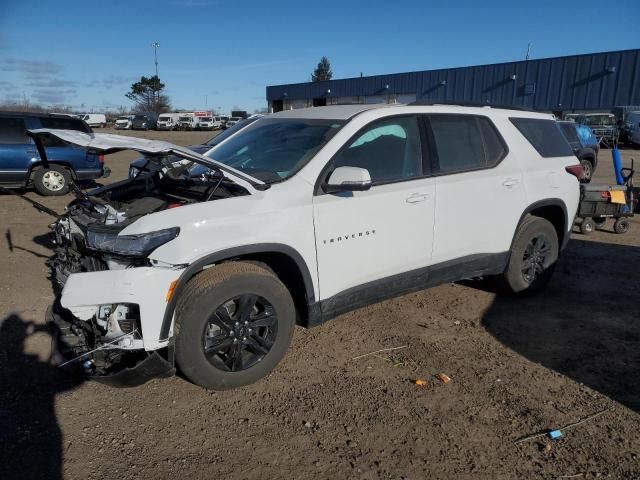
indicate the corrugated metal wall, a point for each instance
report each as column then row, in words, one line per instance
column 596, row 81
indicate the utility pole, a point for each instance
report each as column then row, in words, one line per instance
column 155, row 46
column 528, row 56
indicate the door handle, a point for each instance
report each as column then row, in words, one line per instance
column 417, row 197
column 510, row 182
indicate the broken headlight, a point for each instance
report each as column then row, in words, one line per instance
column 130, row 245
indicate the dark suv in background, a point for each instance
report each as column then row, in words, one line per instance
column 143, row 122
column 21, row 166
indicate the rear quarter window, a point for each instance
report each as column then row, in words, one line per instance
column 543, row 135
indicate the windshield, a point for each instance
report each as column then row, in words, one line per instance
column 122, row 119
column 272, row 150
column 164, row 119
column 234, row 119
column 224, row 118
column 230, row 131
column 185, row 119
column 598, row 120
column 205, row 119
column 139, row 117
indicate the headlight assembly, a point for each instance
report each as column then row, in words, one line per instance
column 130, row 245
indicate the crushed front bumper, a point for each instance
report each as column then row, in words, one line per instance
column 147, row 287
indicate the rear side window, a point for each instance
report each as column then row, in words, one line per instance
column 544, row 135
column 465, row 142
column 12, row 132
column 63, row 124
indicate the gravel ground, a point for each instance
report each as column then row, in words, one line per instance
column 517, row 367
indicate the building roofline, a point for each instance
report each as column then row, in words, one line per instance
column 461, row 67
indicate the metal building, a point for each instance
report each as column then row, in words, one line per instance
column 591, row 82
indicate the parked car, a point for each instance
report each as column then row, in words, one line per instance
column 21, row 165
column 143, row 122
column 304, row 215
column 604, row 126
column 585, row 146
column 168, row 121
column 204, row 123
column 232, row 121
column 205, row 149
column 224, row 119
column 630, row 132
column 94, row 119
column 124, row 122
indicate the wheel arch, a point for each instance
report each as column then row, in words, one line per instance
column 555, row 211
column 285, row 261
column 38, row 165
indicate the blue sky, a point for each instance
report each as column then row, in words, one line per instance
column 223, row 53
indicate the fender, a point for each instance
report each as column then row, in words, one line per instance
column 226, row 254
column 548, row 202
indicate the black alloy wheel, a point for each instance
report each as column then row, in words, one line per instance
column 535, row 258
column 240, row 332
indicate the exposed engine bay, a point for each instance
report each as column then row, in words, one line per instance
column 105, row 340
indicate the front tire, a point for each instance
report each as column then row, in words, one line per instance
column 52, row 181
column 534, row 253
column 234, row 324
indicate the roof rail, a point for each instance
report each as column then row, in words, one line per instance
column 465, row 103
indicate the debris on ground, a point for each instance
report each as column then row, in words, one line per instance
column 443, row 378
column 379, row 351
column 557, row 433
column 420, row 383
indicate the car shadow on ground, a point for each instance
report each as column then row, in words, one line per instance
column 586, row 325
column 30, row 437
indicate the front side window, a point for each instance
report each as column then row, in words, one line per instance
column 465, row 142
column 389, row 149
column 272, row 150
column 12, row 132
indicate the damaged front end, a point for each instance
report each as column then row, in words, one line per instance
column 110, row 297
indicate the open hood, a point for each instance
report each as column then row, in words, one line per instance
column 106, row 143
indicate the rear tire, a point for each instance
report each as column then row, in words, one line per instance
column 52, row 181
column 534, row 253
column 220, row 343
column 621, row 225
column 587, row 165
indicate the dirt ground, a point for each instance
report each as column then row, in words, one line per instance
column 517, row 367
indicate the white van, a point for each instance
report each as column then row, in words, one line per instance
column 94, row 119
column 186, row 121
column 632, row 126
column 124, row 122
column 168, row 121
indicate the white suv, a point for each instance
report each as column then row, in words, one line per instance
column 302, row 216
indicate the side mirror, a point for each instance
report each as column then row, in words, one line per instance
column 348, row 179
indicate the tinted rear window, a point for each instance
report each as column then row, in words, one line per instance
column 544, row 135
column 12, row 131
column 64, row 124
column 569, row 130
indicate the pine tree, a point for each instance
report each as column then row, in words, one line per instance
column 323, row 71
column 148, row 97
